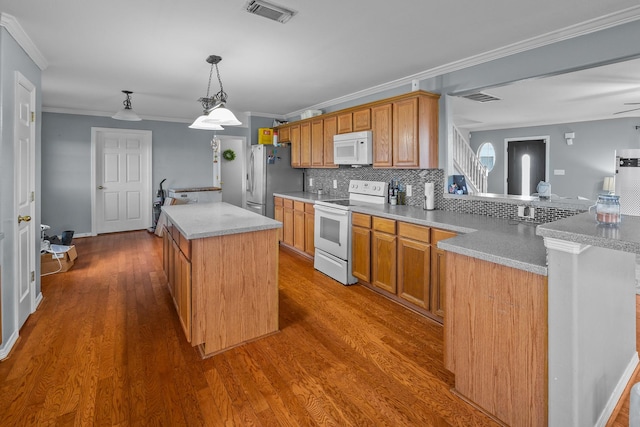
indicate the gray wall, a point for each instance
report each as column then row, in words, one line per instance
column 12, row 59
column 586, row 162
column 181, row 155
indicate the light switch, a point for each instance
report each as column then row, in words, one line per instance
column 558, row 171
column 310, row 182
column 408, row 190
column 335, row 183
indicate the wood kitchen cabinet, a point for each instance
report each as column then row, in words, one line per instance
column 329, row 131
column 278, row 214
column 298, row 222
column 383, row 254
column 381, row 125
column 415, row 132
column 287, row 222
column 317, row 143
column 284, row 134
column 305, row 144
column 355, row 121
column 298, row 225
column 177, row 268
column 438, row 271
column 401, row 261
column 309, row 229
column 361, row 246
column 294, row 132
column 414, row 264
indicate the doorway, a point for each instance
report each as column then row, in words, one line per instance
column 24, row 189
column 233, row 173
column 121, row 193
column 526, row 164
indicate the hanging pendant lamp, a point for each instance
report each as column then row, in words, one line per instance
column 127, row 112
column 215, row 112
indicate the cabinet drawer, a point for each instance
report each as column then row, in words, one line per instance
column 361, row 220
column 277, row 201
column 308, row 208
column 288, row 203
column 298, row 206
column 385, row 225
column 437, row 235
column 413, row 231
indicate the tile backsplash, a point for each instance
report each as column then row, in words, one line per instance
column 323, row 179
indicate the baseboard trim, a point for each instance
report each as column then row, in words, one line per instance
column 617, row 392
column 8, row 346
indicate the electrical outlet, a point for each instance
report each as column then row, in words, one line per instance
column 310, row 182
column 526, row 212
column 335, row 183
column 408, row 190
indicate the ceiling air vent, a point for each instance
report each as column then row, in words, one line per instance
column 481, row 97
column 269, row 10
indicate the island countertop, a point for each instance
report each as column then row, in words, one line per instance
column 199, row 220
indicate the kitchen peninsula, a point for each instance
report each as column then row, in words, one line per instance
column 221, row 263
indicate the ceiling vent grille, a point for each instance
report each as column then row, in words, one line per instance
column 269, row 10
column 481, row 97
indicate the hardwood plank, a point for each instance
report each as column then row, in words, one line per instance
column 106, row 348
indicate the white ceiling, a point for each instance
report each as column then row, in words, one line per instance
column 330, row 49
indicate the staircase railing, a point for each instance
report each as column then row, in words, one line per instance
column 468, row 163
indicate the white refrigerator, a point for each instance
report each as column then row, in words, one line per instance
column 269, row 170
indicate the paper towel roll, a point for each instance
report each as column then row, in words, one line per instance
column 429, row 202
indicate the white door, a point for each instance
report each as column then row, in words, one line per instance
column 233, row 172
column 24, row 153
column 122, row 193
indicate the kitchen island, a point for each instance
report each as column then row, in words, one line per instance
column 221, row 263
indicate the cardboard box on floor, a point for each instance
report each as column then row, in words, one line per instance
column 49, row 263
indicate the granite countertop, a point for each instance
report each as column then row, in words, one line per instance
column 506, row 242
column 199, row 220
column 583, row 229
column 309, row 197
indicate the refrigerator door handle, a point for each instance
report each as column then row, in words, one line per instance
column 251, row 173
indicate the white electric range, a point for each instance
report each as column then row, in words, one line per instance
column 332, row 233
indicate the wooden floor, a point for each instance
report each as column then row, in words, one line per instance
column 106, row 348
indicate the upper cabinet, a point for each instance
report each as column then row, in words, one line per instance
column 405, row 132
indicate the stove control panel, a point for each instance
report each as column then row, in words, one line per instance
column 370, row 188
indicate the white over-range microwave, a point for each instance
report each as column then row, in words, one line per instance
column 353, row 148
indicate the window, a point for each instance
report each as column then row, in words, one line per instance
column 487, row 155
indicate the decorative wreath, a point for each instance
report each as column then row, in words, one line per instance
column 229, row 154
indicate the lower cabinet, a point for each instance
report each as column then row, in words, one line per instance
column 401, row 260
column 177, row 267
column 297, row 219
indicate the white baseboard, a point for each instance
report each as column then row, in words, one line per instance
column 617, row 392
column 6, row 348
column 83, row 235
column 37, row 301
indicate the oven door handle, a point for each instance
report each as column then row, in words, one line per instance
column 330, row 211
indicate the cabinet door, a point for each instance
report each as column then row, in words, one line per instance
column 166, row 251
column 309, row 229
column 384, row 261
column 298, row 225
column 438, row 281
column 330, row 129
column 278, row 215
column 381, row 125
column 345, row 123
column 414, row 260
column 405, row 133
column 361, row 253
column 183, row 291
column 287, row 224
column 284, row 134
column 305, row 144
column 362, row 120
column 317, row 143
column 173, row 263
column 295, row 146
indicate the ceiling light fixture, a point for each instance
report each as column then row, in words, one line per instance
column 127, row 113
column 215, row 114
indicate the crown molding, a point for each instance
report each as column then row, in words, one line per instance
column 20, row 36
column 597, row 24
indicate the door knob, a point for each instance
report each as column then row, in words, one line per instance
column 100, row 187
column 25, row 218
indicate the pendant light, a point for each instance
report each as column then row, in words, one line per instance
column 215, row 112
column 127, row 113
